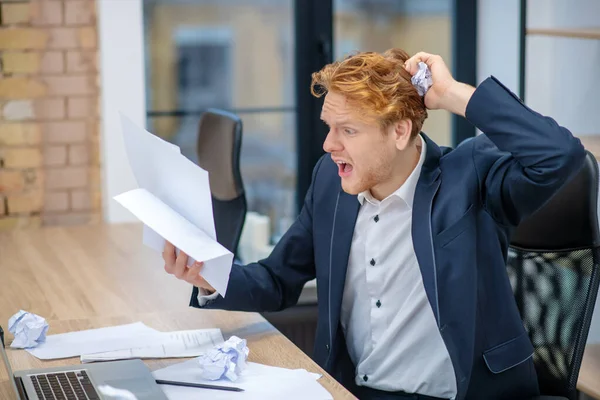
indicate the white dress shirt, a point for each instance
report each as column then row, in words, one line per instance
column 390, row 329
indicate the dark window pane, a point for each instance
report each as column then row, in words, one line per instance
column 231, row 55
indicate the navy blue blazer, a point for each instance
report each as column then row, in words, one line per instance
column 467, row 202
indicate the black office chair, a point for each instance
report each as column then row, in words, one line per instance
column 218, row 148
column 553, row 264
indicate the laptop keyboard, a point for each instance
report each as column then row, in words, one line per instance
column 72, row 385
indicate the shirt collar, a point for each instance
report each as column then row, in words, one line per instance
column 405, row 192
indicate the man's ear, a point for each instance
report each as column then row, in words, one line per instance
column 402, row 132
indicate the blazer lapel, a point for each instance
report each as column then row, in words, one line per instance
column 427, row 187
column 343, row 229
column 341, row 240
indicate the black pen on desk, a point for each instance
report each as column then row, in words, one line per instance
column 199, row 385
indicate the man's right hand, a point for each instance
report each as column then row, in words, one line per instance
column 177, row 265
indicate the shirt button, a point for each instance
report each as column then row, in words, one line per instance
column 327, row 347
column 378, row 304
column 376, row 218
column 365, row 378
column 372, row 262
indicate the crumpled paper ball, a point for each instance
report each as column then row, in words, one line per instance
column 227, row 359
column 28, row 329
column 422, row 79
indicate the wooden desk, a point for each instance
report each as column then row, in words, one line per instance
column 95, row 276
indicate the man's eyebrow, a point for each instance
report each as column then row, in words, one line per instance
column 343, row 121
column 339, row 121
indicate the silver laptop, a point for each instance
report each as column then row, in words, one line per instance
column 81, row 381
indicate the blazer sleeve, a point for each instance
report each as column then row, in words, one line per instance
column 276, row 282
column 526, row 157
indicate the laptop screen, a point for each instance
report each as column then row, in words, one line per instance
column 7, row 381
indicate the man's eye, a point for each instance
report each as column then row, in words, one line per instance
column 349, row 131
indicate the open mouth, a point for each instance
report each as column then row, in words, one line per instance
column 344, row 169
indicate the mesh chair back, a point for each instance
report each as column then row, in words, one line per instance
column 553, row 265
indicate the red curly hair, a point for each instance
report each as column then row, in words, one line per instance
column 376, row 85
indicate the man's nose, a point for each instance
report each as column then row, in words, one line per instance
column 331, row 143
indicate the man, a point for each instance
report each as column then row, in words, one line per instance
column 408, row 240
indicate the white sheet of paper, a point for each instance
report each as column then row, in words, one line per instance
column 182, row 233
column 161, row 169
column 190, row 343
column 73, row 344
column 144, row 170
column 258, row 381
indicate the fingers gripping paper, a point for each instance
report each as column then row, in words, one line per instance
column 174, row 203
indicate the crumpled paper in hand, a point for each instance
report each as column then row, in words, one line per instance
column 422, row 79
column 227, row 359
column 28, row 329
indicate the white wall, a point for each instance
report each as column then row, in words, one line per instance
column 563, row 74
column 121, row 42
column 562, row 77
column 498, row 41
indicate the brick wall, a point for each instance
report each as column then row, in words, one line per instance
column 49, row 124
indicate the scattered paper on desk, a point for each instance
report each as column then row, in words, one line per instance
column 76, row 343
column 28, row 329
column 260, row 382
column 173, row 188
column 189, row 343
column 226, row 360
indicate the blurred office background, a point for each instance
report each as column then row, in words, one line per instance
column 68, row 67
column 241, row 56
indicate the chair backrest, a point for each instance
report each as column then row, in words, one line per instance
column 218, row 148
column 553, row 265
